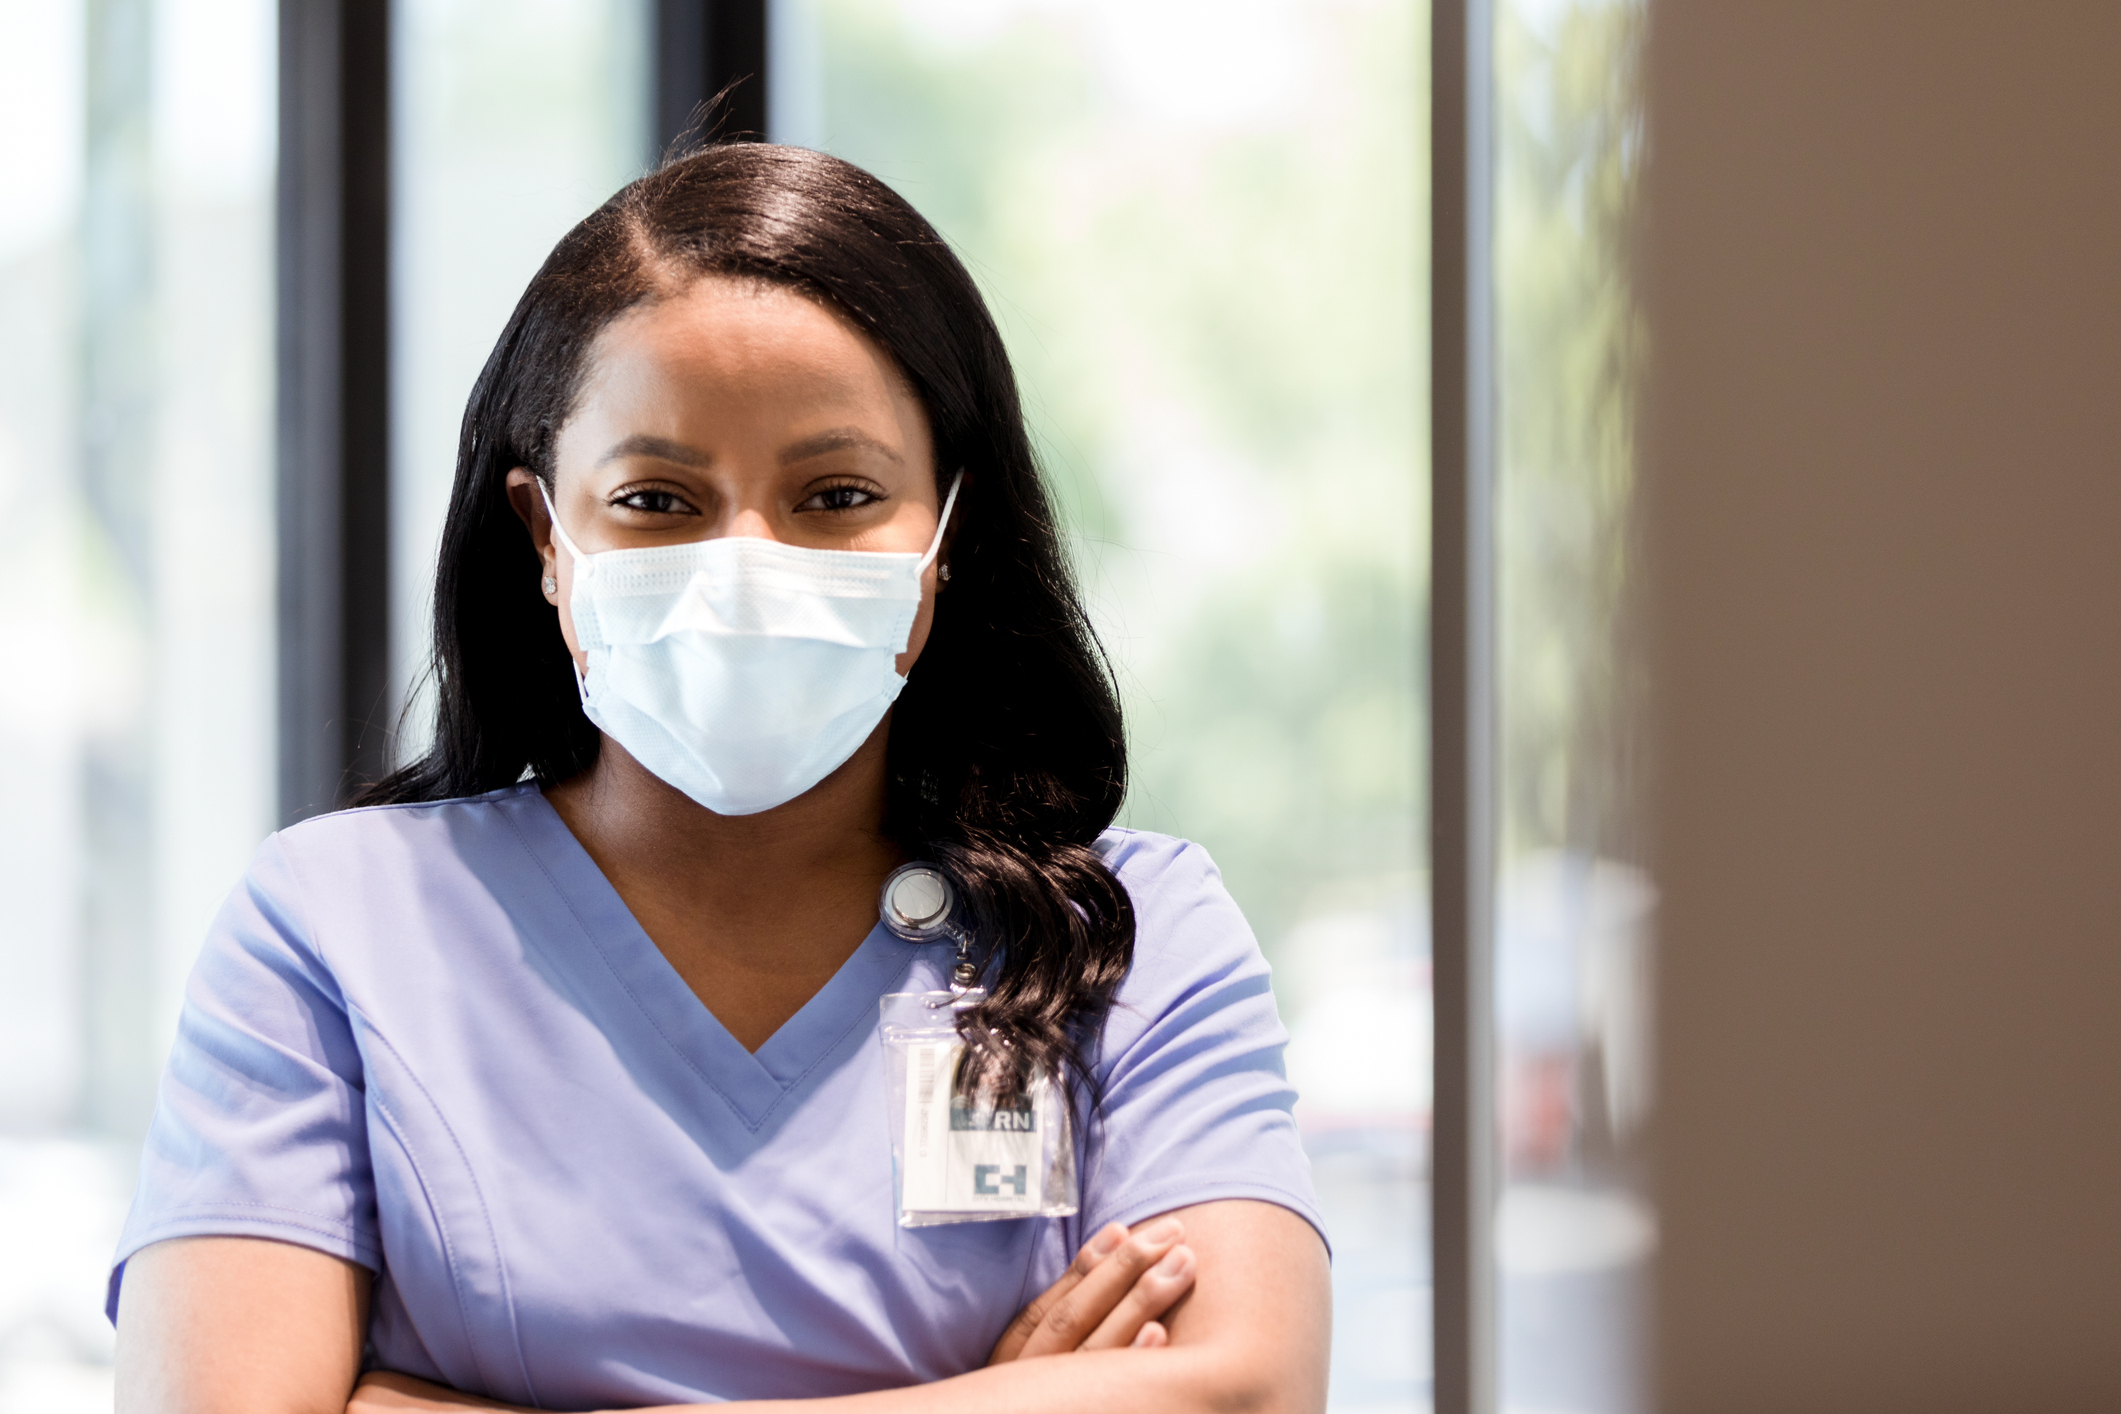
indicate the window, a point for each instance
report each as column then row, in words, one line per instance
column 1572, row 1230
column 1203, row 234
column 512, row 121
column 136, row 600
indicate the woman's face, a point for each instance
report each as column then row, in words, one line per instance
column 738, row 408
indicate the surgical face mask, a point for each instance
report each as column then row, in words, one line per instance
column 741, row 670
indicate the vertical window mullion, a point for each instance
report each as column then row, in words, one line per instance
column 333, row 400
column 1462, row 706
column 702, row 47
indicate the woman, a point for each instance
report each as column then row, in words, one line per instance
column 554, row 1077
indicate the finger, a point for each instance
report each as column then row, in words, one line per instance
column 1151, row 1335
column 1155, row 1293
column 1084, row 1308
column 1103, row 1245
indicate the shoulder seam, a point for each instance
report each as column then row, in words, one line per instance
column 482, row 796
column 1163, row 866
column 350, row 1233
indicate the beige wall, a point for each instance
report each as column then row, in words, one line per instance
column 1883, row 510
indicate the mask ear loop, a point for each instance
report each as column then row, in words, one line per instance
column 942, row 522
column 559, row 531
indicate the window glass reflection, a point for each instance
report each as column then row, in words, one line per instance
column 136, row 599
column 512, row 120
column 1573, row 910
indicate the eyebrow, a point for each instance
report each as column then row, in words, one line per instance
column 838, row 439
column 661, row 448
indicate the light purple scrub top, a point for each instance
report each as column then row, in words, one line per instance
column 432, row 1040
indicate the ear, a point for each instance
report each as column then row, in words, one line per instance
column 528, row 502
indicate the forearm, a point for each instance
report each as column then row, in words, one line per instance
column 1174, row 1380
column 1238, row 1345
column 1203, row 1378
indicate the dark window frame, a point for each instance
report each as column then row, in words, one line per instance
column 1462, row 704
column 333, row 400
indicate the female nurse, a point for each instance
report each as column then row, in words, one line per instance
column 553, row 1077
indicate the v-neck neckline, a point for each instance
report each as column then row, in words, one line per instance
column 753, row 1083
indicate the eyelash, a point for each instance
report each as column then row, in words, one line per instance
column 675, row 504
column 663, row 501
column 825, row 491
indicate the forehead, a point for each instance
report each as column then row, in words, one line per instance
column 741, row 337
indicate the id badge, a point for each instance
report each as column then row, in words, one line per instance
column 960, row 1158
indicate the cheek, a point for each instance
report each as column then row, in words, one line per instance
column 917, row 637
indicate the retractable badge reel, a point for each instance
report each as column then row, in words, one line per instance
column 961, row 1158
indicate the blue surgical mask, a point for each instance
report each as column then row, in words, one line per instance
column 741, row 670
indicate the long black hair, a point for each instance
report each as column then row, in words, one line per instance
column 1006, row 757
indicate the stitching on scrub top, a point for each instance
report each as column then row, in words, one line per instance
column 589, row 935
column 483, row 797
column 344, row 1227
column 500, row 1263
column 1240, row 1187
column 316, row 942
column 319, row 1224
column 449, row 1248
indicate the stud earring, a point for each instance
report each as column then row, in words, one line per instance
column 551, row 586
column 942, row 572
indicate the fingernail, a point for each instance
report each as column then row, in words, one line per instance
column 1150, row 1336
column 1176, row 1263
column 1107, row 1240
column 1163, row 1230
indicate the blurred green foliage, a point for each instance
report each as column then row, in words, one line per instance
column 1220, row 322
column 1220, row 327
column 1571, row 342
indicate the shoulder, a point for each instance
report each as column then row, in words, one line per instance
column 1159, row 868
column 1176, row 889
column 370, row 865
column 1191, row 940
column 1194, row 1102
column 410, row 819
column 412, row 829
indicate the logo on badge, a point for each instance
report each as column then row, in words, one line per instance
column 988, row 1180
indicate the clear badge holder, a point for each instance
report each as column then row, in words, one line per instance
column 960, row 1158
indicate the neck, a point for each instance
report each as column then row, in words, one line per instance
column 815, row 862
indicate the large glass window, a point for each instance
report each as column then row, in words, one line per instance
column 136, row 600
column 513, row 119
column 1203, row 232
column 1573, row 909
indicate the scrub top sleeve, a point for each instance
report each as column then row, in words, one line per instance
column 260, row 1127
column 1197, row 1104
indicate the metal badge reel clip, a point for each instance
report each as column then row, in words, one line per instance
column 918, row 905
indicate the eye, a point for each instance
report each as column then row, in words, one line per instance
column 655, row 501
column 839, row 498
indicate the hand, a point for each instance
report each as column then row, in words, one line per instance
column 1110, row 1296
